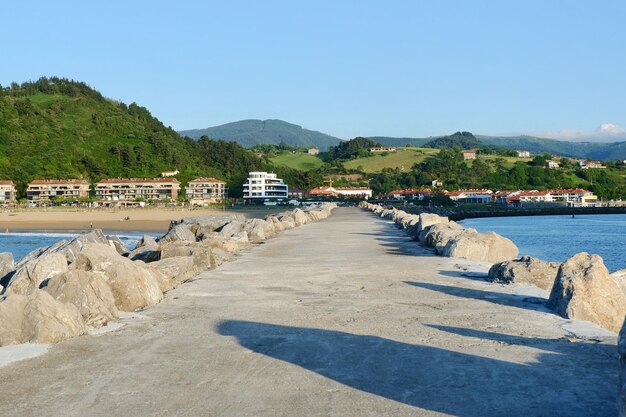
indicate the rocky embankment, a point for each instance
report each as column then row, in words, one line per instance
column 62, row 291
column 580, row 288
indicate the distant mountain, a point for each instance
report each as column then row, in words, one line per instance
column 593, row 150
column 249, row 133
column 391, row 141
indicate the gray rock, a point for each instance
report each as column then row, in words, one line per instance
column 117, row 244
column 146, row 240
column 483, row 247
column 7, row 264
column 29, row 276
column 133, row 285
column 183, row 232
column 88, row 291
column 38, row 318
column 526, row 270
column 585, row 290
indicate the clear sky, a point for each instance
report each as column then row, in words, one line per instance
column 347, row 68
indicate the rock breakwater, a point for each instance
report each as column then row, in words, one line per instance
column 62, row 291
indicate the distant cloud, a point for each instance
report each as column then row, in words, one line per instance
column 606, row 132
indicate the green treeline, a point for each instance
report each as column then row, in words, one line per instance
column 59, row 128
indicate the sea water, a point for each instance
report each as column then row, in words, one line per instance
column 556, row 238
column 22, row 243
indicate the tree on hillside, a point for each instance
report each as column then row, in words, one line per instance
column 463, row 140
column 351, row 149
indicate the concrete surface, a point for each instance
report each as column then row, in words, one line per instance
column 344, row 317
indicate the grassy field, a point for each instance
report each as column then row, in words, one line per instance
column 509, row 160
column 403, row 158
column 301, row 161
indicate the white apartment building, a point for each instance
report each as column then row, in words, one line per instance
column 7, row 192
column 264, row 185
column 203, row 191
column 46, row 190
column 116, row 189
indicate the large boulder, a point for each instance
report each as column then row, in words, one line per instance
column 146, row 240
column 438, row 235
column 7, row 264
column 174, row 271
column 146, row 253
column 259, row 230
column 288, row 221
column 38, row 318
column 32, row 274
column 117, row 244
column 299, row 217
column 585, row 290
column 278, row 226
column 483, row 247
column 231, row 228
column 133, row 285
column 88, row 291
column 181, row 231
column 428, row 219
column 526, row 270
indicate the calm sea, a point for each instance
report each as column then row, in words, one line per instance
column 21, row 243
column 556, row 238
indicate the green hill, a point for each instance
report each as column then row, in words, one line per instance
column 297, row 160
column 58, row 128
column 249, row 133
column 593, row 150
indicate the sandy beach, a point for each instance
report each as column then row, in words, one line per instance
column 139, row 219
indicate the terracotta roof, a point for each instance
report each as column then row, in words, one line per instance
column 208, row 179
column 569, row 190
column 6, row 182
column 534, row 193
column 321, row 191
column 72, row 181
column 352, row 188
column 410, row 191
column 136, row 180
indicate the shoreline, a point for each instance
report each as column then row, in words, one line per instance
column 151, row 220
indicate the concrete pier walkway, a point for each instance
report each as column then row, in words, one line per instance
column 344, row 317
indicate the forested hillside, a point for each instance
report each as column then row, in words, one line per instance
column 58, row 128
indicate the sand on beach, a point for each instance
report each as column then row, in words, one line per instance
column 139, row 219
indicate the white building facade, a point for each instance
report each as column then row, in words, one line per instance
column 262, row 185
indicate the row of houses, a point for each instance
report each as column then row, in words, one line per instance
column 199, row 191
column 572, row 196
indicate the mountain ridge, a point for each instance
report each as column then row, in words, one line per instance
column 251, row 132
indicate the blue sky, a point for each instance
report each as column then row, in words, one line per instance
column 347, row 68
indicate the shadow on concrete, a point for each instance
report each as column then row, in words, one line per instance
column 475, row 276
column 558, row 379
column 511, row 300
column 399, row 244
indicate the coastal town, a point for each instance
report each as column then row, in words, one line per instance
column 264, row 187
